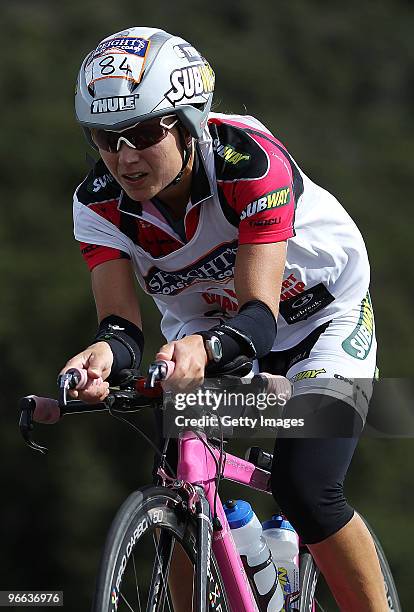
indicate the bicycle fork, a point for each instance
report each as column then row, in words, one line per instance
column 197, row 505
column 204, row 535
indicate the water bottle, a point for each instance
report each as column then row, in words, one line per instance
column 283, row 542
column 255, row 554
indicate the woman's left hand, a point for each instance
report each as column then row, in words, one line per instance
column 190, row 360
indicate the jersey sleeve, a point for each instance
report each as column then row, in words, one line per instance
column 97, row 219
column 258, row 181
column 95, row 254
column 266, row 206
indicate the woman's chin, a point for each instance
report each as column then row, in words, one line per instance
column 136, row 192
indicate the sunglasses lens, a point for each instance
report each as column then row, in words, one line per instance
column 147, row 134
column 141, row 136
column 105, row 140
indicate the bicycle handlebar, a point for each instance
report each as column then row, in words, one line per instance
column 135, row 393
column 35, row 409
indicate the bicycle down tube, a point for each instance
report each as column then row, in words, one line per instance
column 197, row 466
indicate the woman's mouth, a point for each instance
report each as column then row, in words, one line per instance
column 134, row 177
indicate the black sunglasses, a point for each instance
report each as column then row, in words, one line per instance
column 140, row 136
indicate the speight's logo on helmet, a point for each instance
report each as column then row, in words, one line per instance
column 191, row 82
column 114, row 104
column 273, row 199
column 125, row 44
column 217, row 265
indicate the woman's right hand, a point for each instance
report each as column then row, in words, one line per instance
column 190, row 359
column 97, row 360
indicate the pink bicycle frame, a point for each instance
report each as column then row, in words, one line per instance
column 197, row 466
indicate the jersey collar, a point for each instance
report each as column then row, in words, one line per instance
column 200, row 184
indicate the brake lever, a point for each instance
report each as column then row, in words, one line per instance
column 69, row 380
column 74, row 378
column 27, row 407
column 157, row 371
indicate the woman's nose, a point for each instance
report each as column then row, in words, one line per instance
column 126, row 150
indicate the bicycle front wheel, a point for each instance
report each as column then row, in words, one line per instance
column 149, row 558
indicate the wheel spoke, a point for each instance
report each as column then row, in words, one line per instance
column 161, row 572
column 164, row 579
column 192, row 593
column 136, row 581
column 164, row 575
column 125, row 600
column 319, row 605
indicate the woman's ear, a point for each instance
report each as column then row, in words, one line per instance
column 187, row 136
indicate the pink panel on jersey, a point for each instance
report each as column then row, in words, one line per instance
column 265, row 205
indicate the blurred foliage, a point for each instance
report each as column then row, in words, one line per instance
column 334, row 81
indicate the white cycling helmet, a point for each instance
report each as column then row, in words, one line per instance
column 142, row 73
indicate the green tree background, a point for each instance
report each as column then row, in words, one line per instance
column 334, row 81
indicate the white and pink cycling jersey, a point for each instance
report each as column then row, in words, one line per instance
column 246, row 189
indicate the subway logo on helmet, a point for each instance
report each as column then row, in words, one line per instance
column 191, row 82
